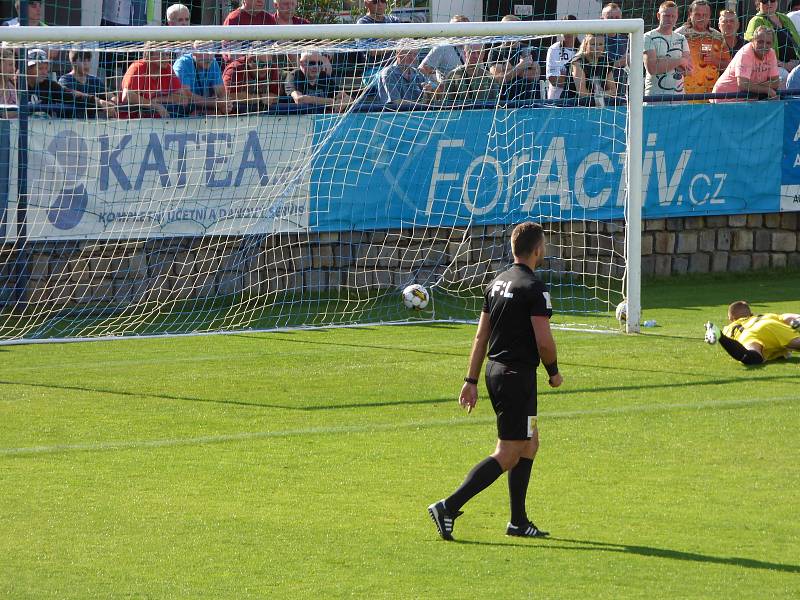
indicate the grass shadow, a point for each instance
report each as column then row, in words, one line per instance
column 649, row 551
column 125, row 393
column 279, row 337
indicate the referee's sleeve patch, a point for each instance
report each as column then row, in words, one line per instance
column 548, row 303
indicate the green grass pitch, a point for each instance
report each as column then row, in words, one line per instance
column 300, row 465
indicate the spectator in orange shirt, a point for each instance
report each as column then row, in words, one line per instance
column 707, row 48
column 150, row 88
column 250, row 13
column 252, row 83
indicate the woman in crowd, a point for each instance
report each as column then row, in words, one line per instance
column 785, row 42
column 592, row 72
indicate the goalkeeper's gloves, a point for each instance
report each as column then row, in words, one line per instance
column 712, row 333
column 795, row 324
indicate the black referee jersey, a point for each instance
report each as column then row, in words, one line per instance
column 511, row 299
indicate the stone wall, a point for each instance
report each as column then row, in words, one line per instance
column 719, row 244
column 360, row 263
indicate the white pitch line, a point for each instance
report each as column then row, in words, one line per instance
column 472, row 420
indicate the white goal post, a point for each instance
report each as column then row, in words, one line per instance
column 128, row 317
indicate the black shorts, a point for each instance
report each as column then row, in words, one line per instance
column 513, row 394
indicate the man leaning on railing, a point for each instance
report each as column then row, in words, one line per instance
column 754, row 69
column 54, row 98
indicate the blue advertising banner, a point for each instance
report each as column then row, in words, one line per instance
column 790, row 163
column 493, row 167
column 390, row 170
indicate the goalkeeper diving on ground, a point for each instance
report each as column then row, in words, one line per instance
column 753, row 339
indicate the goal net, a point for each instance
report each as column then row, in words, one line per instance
column 253, row 178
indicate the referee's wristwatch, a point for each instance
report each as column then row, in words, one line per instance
column 470, row 380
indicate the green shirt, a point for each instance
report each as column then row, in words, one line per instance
column 761, row 20
column 467, row 84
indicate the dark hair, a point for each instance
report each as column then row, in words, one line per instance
column 691, row 8
column 526, row 238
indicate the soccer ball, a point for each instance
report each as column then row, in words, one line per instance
column 622, row 311
column 416, row 297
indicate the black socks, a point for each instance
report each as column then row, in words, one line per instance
column 739, row 352
column 518, row 479
column 478, row 479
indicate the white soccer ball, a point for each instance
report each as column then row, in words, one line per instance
column 415, row 297
column 622, row 311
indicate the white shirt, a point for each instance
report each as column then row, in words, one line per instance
column 443, row 59
column 795, row 17
column 557, row 59
column 670, row 46
column 117, row 11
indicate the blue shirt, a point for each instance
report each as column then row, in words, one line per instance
column 93, row 86
column 793, row 81
column 201, row 81
column 369, row 20
column 372, row 42
column 393, row 87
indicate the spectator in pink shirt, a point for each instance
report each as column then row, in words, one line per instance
column 754, row 69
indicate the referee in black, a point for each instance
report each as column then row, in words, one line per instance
column 515, row 326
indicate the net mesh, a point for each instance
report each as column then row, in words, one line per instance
column 304, row 183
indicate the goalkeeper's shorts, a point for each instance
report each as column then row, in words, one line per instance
column 512, row 391
column 772, row 334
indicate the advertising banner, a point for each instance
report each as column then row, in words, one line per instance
column 790, row 164
column 491, row 167
column 163, row 178
column 264, row 173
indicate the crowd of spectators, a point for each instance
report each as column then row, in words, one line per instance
column 240, row 78
column 695, row 58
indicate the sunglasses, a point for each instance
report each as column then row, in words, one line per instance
column 313, row 63
column 767, row 1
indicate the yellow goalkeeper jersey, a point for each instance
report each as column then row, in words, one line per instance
column 769, row 330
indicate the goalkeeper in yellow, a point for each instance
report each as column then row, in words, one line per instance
column 752, row 339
